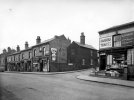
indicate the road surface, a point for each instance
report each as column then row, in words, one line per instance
column 15, row 86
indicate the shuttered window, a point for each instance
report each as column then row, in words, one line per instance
column 130, row 56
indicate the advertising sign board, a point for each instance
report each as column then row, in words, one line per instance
column 54, row 51
column 106, row 42
column 127, row 39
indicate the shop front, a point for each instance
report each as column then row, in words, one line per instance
column 45, row 64
column 41, row 64
column 35, row 64
column 113, row 61
column 117, row 55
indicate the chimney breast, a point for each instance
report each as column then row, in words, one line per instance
column 82, row 38
column 38, row 40
column 26, row 45
column 18, row 48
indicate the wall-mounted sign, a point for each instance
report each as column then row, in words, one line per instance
column 54, row 51
column 127, row 39
column 47, row 50
column 105, row 42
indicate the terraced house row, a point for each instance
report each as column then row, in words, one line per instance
column 55, row 54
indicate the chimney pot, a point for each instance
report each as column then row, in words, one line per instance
column 26, row 45
column 18, row 48
column 9, row 49
column 38, row 40
column 82, row 38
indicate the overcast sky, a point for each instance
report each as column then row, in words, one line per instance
column 24, row 20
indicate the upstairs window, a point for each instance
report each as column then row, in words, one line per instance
column 91, row 61
column 44, row 51
column 34, row 52
column 29, row 54
column 117, row 41
column 3, row 61
column 19, row 57
column 91, row 53
column 22, row 56
column 83, row 61
column 14, row 58
column 72, row 52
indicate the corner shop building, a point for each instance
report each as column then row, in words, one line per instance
column 116, row 47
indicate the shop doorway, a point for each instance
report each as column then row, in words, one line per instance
column 103, row 62
column 46, row 65
column 41, row 66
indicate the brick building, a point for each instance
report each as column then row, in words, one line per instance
column 3, row 58
column 49, row 55
column 52, row 55
column 81, row 55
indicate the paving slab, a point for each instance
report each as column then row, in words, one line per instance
column 126, row 83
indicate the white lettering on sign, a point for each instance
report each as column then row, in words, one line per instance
column 105, row 42
column 54, row 51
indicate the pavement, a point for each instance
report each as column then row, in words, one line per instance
column 48, row 73
column 119, row 82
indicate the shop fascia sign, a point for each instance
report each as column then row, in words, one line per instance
column 106, row 42
column 127, row 39
column 54, row 51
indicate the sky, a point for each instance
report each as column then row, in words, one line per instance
column 24, row 20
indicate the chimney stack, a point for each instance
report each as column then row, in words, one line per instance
column 9, row 49
column 38, row 40
column 4, row 51
column 82, row 38
column 69, row 40
column 26, row 45
column 18, row 48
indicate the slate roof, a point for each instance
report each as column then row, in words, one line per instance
column 49, row 40
column 85, row 46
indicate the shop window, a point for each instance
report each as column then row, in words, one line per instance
column 109, row 59
column 117, row 41
column 83, row 61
